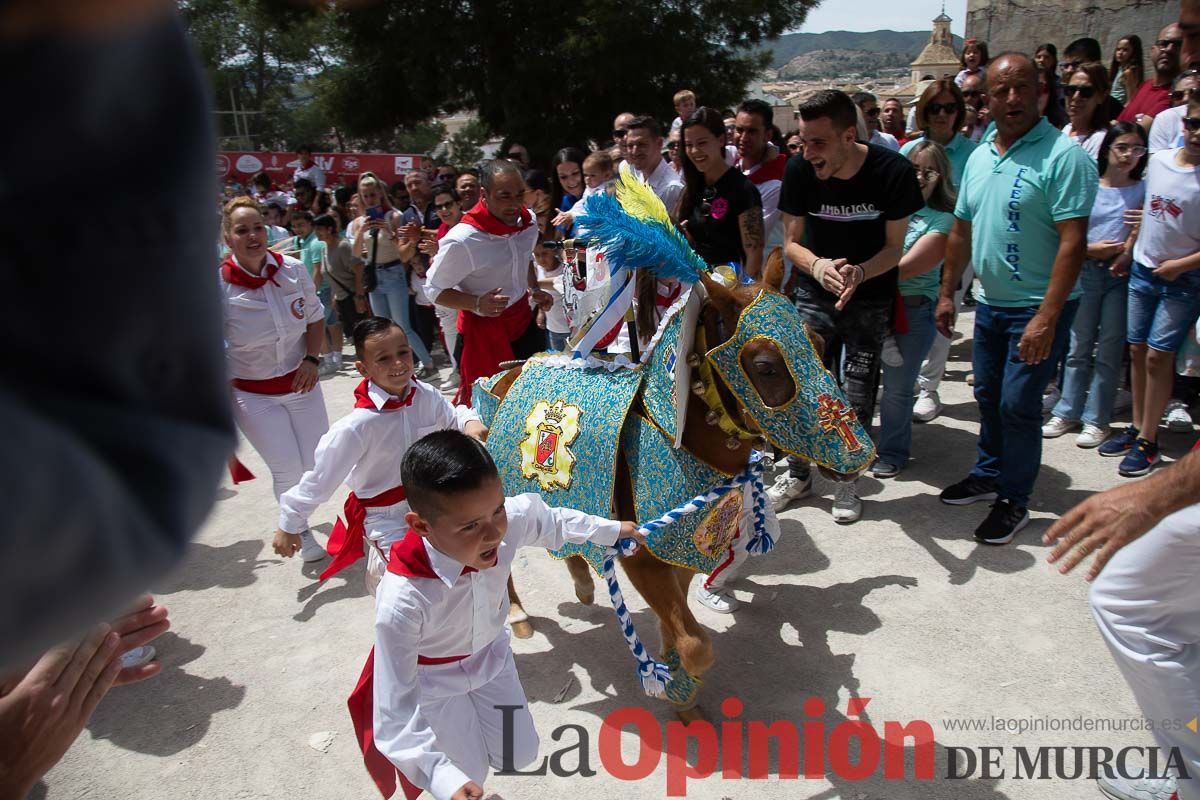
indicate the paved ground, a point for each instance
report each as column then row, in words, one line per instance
column 901, row 607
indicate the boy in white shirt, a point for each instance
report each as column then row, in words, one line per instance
column 429, row 706
column 364, row 450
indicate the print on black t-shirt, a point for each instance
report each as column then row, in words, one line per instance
column 716, row 236
column 848, row 218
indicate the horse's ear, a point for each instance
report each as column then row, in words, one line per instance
column 723, row 299
column 773, row 271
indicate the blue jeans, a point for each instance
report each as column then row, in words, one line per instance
column 1009, row 393
column 1100, row 327
column 557, row 341
column 390, row 299
column 895, row 409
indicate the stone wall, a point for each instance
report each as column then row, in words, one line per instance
column 1024, row 24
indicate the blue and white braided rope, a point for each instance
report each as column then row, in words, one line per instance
column 652, row 674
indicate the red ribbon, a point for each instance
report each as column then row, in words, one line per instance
column 232, row 273
column 239, row 472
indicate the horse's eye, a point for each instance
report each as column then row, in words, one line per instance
column 765, row 368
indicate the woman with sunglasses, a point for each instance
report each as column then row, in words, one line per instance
column 1098, row 332
column 720, row 209
column 1127, row 70
column 940, row 114
column 920, row 273
column 1087, row 107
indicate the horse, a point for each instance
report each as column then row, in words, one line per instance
column 764, row 411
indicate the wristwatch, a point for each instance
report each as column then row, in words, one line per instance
column 313, row 360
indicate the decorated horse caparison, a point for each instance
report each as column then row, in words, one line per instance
column 730, row 372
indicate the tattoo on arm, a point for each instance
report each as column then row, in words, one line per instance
column 751, row 225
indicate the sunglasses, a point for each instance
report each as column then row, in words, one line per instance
column 795, row 148
column 515, row 155
column 1127, row 149
column 619, row 133
column 444, row 206
column 941, row 108
column 1180, row 95
column 711, row 192
column 1191, row 124
column 1086, row 92
column 872, row 114
column 672, row 145
column 972, row 93
column 1164, row 44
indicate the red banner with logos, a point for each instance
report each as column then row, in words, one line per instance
column 242, row 165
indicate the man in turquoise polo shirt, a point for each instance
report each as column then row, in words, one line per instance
column 1021, row 218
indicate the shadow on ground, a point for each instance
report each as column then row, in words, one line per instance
column 173, row 710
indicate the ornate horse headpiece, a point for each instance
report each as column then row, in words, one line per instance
column 815, row 422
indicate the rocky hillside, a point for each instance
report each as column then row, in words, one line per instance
column 821, row 64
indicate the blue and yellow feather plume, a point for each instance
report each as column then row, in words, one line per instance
column 632, row 241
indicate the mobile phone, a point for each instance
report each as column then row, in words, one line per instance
column 376, row 212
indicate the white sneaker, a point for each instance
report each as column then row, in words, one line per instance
column 1092, row 436
column 1050, row 398
column 1057, row 426
column 327, row 366
column 1141, row 789
column 721, row 601
column 452, row 380
column 1178, row 418
column 927, row 407
column 847, row 507
column 788, row 488
column 309, row 549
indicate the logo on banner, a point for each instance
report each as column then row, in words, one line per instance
column 351, row 164
column 403, row 164
column 248, row 163
column 545, row 453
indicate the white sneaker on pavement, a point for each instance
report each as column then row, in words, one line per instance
column 1057, row 426
column 927, row 407
column 847, row 507
column 1119, row 788
column 1178, row 418
column 1092, row 436
column 788, row 488
column 309, row 549
column 721, row 601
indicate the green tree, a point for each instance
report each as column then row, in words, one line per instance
column 547, row 75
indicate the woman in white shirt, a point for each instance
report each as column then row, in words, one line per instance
column 274, row 332
column 1087, row 107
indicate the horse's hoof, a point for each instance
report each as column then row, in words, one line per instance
column 691, row 714
column 586, row 597
column 522, row 629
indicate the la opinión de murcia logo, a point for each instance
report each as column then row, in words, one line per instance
column 852, row 750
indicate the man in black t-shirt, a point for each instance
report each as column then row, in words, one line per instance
column 845, row 209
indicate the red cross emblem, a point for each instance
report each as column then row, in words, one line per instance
column 835, row 415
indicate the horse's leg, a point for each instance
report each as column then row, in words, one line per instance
column 581, row 576
column 665, row 591
column 518, row 620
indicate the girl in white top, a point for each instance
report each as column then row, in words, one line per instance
column 274, row 331
column 1087, row 107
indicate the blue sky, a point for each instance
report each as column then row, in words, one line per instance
column 873, row 15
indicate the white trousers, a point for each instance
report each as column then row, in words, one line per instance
column 935, row 363
column 728, row 569
column 449, row 319
column 1147, row 604
column 284, row 429
column 470, row 728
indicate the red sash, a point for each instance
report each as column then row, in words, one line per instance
column 487, row 341
column 409, row 558
column 239, row 472
column 346, row 542
column 281, row 384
